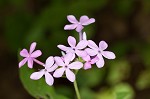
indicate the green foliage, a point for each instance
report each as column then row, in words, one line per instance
column 121, row 95
column 118, row 70
column 91, row 77
column 119, row 91
column 143, row 80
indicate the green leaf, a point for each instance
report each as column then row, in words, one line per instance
column 121, row 95
column 119, row 91
column 123, row 91
column 86, row 93
column 143, row 80
column 91, row 77
column 117, row 66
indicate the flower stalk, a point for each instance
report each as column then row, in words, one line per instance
column 76, row 90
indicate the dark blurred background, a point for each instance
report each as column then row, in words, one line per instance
column 124, row 24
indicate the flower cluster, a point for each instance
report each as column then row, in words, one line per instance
column 77, row 55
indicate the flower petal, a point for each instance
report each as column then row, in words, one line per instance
column 62, row 47
column 32, row 47
column 82, row 44
column 59, row 72
column 91, row 52
column 37, row 75
column 52, row 68
column 92, row 45
column 70, row 75
column 75, row 65
column 86, row 58
column 68, row 58
column 49, row 62
column 70, row 27
column 49, row 79
column 87, row 65
column 91, row 20
column 21, row 63
column 94, row 60
column 108, row 54
column 84, row 36
column 30, row 62
column 24, row 53
column 36, row 53
column 72, row 41
column 83, row 19
column 103, row 45
column 59, row 61
column 79, row 28
column 100, row 63
column 72, row 19
column 81, row 53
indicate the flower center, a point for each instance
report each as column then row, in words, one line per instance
column 65, row 66
column 45, row 70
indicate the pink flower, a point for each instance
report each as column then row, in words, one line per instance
column 89, row 61
column 84, row 20
column 74, row 49
column 49, row 67
column 66, row 66
column 29, row 56
column 99, row 52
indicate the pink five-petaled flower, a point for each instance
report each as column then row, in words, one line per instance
column 84, row 20
column 89, row 61
column 29, row 56
column 99, row 52
column 74, row 49
column 66, row 66
column 49, row 67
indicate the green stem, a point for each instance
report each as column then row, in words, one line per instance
column 76, row 89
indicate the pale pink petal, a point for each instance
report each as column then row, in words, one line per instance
column 36, row 53
column 81, row 53
column 68, row 58
column 49, row 62
column 72, row 19
column 94, row 60
column 59, row 72
column 103, row 45
column 62, row 47
column 30, row 62
column 86, row 58
column 100, row 63
column 92, row 45
column 82, row 44
column 73, row 56
column 21, row 63
column 91, row 52
column 91, row 20
column 75, row 65
column 32, row 47
column 84, row 36
column 37, row 75
column 79, row 28
column 70, row 75
column 108, row 54
column 84, row 19
column 87, row 65
column 59, row 61
column 54, row 67
column 70, row 27
column 72, row 41
column 49, row 79
column 24, row 53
